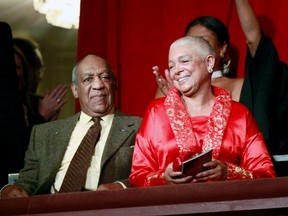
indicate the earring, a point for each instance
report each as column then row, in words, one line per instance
column 210, row 70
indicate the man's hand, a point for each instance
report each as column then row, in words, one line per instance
column 12, row 191
column 110, row 186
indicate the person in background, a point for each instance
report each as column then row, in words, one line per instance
column 194, row 117
column 30, row 69
column 54, row 144
column 265, row 87
column 12, row 123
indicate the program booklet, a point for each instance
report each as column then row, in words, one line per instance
column 194, row 165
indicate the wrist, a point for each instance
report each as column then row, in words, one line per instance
column 122, row 184
column 3, row 189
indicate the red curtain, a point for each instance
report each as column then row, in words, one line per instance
column 134, row 35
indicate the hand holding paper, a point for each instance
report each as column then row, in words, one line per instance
column 194, row 165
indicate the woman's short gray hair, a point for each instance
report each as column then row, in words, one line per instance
column 199, row 44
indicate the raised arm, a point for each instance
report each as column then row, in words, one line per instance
column 249, row 24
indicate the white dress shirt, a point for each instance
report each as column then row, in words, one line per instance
column 81, row 128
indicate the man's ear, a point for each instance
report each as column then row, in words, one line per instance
column 74, row 89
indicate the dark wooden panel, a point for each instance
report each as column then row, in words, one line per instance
column 246, row 197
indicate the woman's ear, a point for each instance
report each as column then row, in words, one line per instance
column 74, row 89
column 210, row 61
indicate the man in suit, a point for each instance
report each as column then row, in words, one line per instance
column 53, row 145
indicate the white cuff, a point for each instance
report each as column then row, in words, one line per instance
column 122, row 184
column 3, row 189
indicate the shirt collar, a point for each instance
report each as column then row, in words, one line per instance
column 84, row 118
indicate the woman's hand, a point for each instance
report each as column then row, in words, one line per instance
column 164, row 85
column 172, row 177
column 50, row 105
column 218, row 171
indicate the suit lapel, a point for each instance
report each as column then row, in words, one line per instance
column 61, row 139
column 120, row 130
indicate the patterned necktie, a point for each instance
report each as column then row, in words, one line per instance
column 76, row 174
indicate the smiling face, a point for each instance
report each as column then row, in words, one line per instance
column 95, row 87
column 189, row 62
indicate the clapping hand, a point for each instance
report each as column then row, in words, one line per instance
column 163, row 84
column 51, row 103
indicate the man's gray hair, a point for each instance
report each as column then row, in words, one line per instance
column 74, row 74
column 75, row 68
